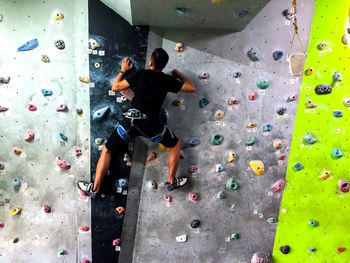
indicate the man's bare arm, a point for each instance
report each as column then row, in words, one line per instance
column 188, row 85
column 119, row 84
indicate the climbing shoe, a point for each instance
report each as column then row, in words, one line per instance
column 87, row 188
column 178, row 182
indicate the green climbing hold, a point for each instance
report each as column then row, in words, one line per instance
column 234, row 236
column 220, row 195
column 62, row 252
column 312, row 249
column 217, row 139
column 312, row 223
column 251, row 141
column 232, row 184
column 100, row 114
column 271, row 220
column 98, row 141
column 262, row 83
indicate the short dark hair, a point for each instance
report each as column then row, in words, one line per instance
column 159, row 58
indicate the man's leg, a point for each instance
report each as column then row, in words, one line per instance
column 173, row 161
column 102, row 167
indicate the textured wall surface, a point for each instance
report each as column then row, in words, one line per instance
column 41, row 235
column 121, row 7
column 246, row 210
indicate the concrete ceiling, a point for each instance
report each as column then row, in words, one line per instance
column 232, row 15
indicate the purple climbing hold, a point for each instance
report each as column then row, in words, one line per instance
column 344, row 185
column 323, row 89
column 193, row 141
column 47, row 209
column 277, row 55
column 3, row 109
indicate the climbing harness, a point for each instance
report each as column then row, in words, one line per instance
column 296, row 60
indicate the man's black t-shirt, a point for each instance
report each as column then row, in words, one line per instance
column 150, row 89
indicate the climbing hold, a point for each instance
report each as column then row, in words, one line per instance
column 77, row 151
column 97, row 65
column 292, row 98
column 262, row 83
column 192, row 169
column 288, row 13
column 30, row 136
column 344, row 186
column 84, row 79
column 122, row 182
column 2, row 224
column 45, row 59
column 3, row 109
column 15, row 211
column 177, row 103
column 61, row 252
column 234, row 236
column 298, row 166
column 219, row 168
column 257, row 166
column 195, row 223
column 253, row 55
column 116, row 242
column 309, row 71
column 260, row 257
column 5, row 80
column 312, row 222
column 322, row 46
column 251, row 141
column 204, row 75
column 233, row 101
column 325, row 174
column 152, row 156
column 84, row 228
column 1, row 17
column 60, row 44
column 344, row 39
column 309, row 139
column 98, row 141
column 341, row 249
column 337, row 113
column 79, row 111
column 285, row 249
column 2, row 166
column 46, row 92
column 278, row 186
column 63, row 137
column 193, row 196
column 271, row 220
column 237, row 74
column 220, row 195
column 153, row 185
column 337, row 77
column 193, row 141
column 310, row 105
column 93, row 43
column 216, row 139
column 179, row 47
column 58, row 16
column 231, row 184
column 182, row 238
column 277, row 55
column 251, row 125
column 240, row 13
column 120, row 210
column 16, row 183
column 337, row 153
column 168, row 198
column 218, row 115
column 15, row 240
column 126, row 158
column 252, row 95
column 231, row 157
column 17, row 150
column 84, row 260
column 277, row 144
column 62, row 108
column 62, row 164
column 267, row 128
column 346, row 102
column 180, row 10
column 312, row 249
column 32, row 107
column 323, row 89
column 281, row 111
column 30, row 45
column 47, row 209
column 203, row 102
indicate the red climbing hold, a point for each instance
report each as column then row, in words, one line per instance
column 2, row 225
column 84, row 260
column 152, row 156
column 77, row 151
column 30, row 136
column 2, row 108
column 252, row 95
column 15, row 240
column 192, row 169
column 120, row 210
column 282, row 157
column 47, row 209
column 193, row 196
column 233, row 101
column 32, row 107
column 62, row 164
column 84, row 228
column 341, row 249
column 116, row 242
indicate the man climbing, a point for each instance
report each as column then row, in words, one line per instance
column 150, row 89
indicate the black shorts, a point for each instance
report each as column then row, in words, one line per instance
column 151, row 130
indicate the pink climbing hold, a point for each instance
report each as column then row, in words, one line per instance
column 252, row 95
column 152, row 156
column 204, row 75
column 84, row 260
column 344, row 186
column 30, row 136
column 62, row 164
column 2, row 108
column 193, row 196
column 32, row 107
column 84, row 228
column 233, row 101
column 62, row 107
column 77, row 151
column 278, row 186
column 116, row 242
column 168, row 198
column 192, row 169
column 47, row 209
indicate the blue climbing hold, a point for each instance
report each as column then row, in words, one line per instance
column 180, row 10
column 298, row 166
column 122, row 182
column 253, row 54
column 63, row 137
column 29, row 45
column 193, row 141
column 203, row 103
column 337, row 76
column 16, row 183
column 312, row 222
column 337, row 113
column 337, row 153
column 237, row 74
column 309, row 138
column 100, row 114
column 277, row 55
column 240, row 13
column 267, row 128
column 46, row 92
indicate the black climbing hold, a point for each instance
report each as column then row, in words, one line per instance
column 60, row 44
column 277, row 55
column 203, row 102
column 195, row 223
column 285, row 249
column 323, row 89
column 281, row 111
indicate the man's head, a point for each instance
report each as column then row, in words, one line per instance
column 158, row 59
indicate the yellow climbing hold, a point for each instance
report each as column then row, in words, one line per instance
column 251, row 125
column 325, row 174
column 231, row 157
column 257, row 166
column 58, row 16
column 15, row 210
column 84, row 79
column 163, row 148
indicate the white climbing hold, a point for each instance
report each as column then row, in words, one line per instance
column 219, row 114
column 179, row 47
column 181, row 239
column 277, row 144
column 93, row 43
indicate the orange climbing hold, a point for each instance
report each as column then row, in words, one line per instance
column 152, row 156
column 120, row 210
column 17, row 150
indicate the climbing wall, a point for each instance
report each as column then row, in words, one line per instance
column 314, row 211
column 238, row 216
column 44, row 143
